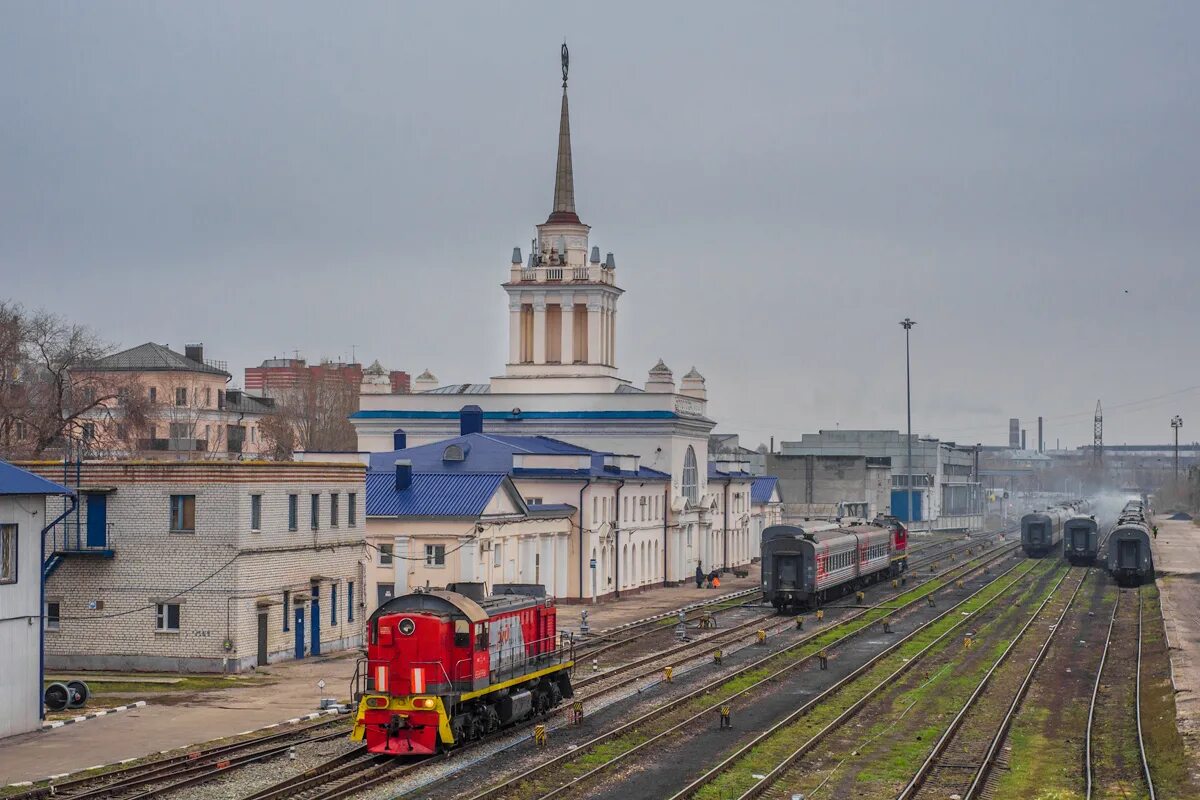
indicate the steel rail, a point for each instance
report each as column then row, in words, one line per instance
column 769, row 779
column 1138, row 704
column 1087, row 741
column 162, row 766
column 943, row 742
column 330, row 769
column 716, row 684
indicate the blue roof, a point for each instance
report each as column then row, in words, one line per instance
column 715, row 474
column 14, row 480
column 761, row 489
column 431, row 495
column 493, row 453
column 402, row 414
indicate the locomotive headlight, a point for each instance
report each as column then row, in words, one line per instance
column 407, row 626
column 377, row 702
column 426, row 703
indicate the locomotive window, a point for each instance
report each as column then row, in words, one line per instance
column 481, row 636
column 462, row 633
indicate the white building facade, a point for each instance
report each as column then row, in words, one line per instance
column 561, row 380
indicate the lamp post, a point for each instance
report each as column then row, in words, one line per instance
column 1176, row 424
column 907, row 324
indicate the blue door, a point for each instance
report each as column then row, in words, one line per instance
column 299, row 631
column 316, row 621
column 97, row 520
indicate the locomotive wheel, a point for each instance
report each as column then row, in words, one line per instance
column 556, row 695
column 57, row 696
column 79, row 694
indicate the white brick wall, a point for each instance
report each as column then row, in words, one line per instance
column 223, row 575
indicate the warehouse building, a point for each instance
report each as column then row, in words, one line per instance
column 204, row 566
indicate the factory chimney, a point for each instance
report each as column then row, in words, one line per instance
column 1014, row 433
column 1041, row 441
column 1022, row 438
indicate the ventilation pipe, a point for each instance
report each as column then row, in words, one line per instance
column 470, row 420
column 399, row 439
column 403, row 474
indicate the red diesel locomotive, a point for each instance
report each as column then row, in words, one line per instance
column 444, row 667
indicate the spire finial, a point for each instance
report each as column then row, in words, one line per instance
column 564, row 175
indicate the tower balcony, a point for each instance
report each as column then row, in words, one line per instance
column 564, row 273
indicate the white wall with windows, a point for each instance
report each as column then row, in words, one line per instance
column 21, row 521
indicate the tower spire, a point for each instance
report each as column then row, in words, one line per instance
column 564, row 175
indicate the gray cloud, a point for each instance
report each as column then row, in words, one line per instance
column 780, row 186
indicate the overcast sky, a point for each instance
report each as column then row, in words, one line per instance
column 780, row 183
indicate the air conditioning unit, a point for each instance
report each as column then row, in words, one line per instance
column 485, row 546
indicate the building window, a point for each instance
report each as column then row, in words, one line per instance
column 385, row 554
column 315, row 511
column 8, row 553
column 256, row 512
column 53, row 612
column 166, row 617
column 207, row 396
column 435, row 555
column 293, row 511
column 333, row 509
column 180, row 396
column 497, row 560
column 333, row 604
column 691, row 487
column 183, row 513
column 533, row 501
column 352, row 509
column 350, row 600
column 153, row 394
column 252, row 434
column 287, row 609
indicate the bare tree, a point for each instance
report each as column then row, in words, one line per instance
column 49, row 396
column 313, row 415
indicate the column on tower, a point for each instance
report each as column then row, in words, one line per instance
column 539, row 330
column 553, row 333
column 594, row 352
column 514, row 331
column 612, row 335
column 581, row 333
column 567, row 324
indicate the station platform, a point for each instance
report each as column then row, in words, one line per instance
column 1177, row 562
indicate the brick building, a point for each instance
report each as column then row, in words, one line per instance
column 203, row 566
column 276, row 376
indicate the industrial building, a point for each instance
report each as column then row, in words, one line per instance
column 203, row 566
column 22, row 518
column 945, row 484
column 828, row 486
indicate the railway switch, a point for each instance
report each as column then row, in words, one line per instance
column 761, row 635
column 539, row 735
column 824, row 657
column 717, row 656
column 799, row 623
column 577, row 711
column 725, row 721
column 667, row 672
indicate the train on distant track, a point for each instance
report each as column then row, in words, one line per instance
column 805, row 565
column 1042, row 531
column 1130, row 560
column 446, row 667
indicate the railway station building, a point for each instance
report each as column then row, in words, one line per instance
column 561, row 381
column 203, row 566
column 498, row 509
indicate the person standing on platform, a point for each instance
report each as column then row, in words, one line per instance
column 699, row 576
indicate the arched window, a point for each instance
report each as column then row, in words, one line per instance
column 690, row 485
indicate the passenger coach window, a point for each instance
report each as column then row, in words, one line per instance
column 462, row 633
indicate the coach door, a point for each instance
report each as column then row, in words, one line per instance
column 787, row 570
column 1127, row 554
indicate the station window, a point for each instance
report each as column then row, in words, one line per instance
column 385, row 554
column 293, row 512
column 256, row 512
column 183, row 513
column 351, row 509
column 53, row 615
column 333, row 509
column 333, row 604
column 287, row 609
column 350, row 599
column 435, row 555
column 8, row 553
column 166, row 617
column 315, row 511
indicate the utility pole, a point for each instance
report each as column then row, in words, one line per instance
column 907, row 324
column 1176, row 424
column 1098, row 437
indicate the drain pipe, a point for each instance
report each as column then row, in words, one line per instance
column 581, row 490
column 725, row 538
column 617, row 541
column 666, row 526
column 42, row 607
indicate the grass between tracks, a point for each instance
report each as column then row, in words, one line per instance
column 770, row 753
column 602, row 753
column 1164, row 746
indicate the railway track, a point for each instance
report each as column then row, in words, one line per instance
column 345, row 775
column 1111, row 708
column 776, row 666
column 153, row 778
column 947, row 771
column 745, row 784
